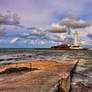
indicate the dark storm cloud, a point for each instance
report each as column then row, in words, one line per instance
column 8, row 19
column 72, row 21
column 36, row 32
column 31, row 28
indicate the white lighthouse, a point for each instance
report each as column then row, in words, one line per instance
column 76, row 38
column 76, row 43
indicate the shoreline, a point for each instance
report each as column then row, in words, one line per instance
column 23, row 68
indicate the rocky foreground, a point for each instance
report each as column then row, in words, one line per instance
column 48, row 76
column 45, row 76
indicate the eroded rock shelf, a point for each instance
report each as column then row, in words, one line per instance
column 51, row 76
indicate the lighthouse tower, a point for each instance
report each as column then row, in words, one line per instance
column 76, row 38
column 76, row 45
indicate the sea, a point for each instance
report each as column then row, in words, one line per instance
column 83, row 72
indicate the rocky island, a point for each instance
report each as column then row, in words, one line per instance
column 69, row 46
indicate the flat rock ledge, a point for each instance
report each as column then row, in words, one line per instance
column 53, row 77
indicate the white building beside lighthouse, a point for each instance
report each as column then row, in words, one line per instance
column 76, row 43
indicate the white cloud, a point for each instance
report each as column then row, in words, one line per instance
column 56, row 28
column 14, row 40
column 59, row 37
column 83, row 42
column 25, row 35
column 42, row 42
column 40, row 33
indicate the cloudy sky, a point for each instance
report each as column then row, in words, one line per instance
column 44, row 23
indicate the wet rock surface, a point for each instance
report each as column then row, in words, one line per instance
column 51, row 76
column 90, row 90
column 79, row 87
column 83, row 74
